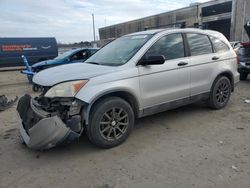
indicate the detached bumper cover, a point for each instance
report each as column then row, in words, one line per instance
column 46, row 134
column 38, row 130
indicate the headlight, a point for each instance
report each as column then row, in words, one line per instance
column 66, row 89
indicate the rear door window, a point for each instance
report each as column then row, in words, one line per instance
column 199, row 44
column 219, row 46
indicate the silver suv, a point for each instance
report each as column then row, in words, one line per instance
column 134, row 76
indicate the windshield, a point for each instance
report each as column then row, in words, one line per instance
column 120, row 51
column 64, row 55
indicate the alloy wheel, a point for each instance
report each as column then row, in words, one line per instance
column 114, row 124
column 222, row 92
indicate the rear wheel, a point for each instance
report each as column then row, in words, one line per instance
column 243, row 76
column 111, row 122
column 220, row 93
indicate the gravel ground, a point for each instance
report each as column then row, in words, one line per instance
column 192, row 146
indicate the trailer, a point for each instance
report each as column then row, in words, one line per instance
column 34, row 49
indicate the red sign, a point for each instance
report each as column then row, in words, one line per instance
column 11, row 48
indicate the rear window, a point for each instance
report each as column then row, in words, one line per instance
column 199, row 44
column 219, row 46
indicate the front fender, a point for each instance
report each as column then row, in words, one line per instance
column 92, row 93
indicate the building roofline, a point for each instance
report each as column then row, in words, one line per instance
column 171, row 11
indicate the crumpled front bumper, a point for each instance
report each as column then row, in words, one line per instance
column 46, row 134
column 47, row 131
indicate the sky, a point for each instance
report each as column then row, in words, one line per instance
column 71, row 20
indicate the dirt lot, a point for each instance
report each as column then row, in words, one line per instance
column 191, row 146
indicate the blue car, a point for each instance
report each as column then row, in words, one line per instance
column 72, row 56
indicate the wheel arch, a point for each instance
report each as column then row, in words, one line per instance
column 124, row 94
column 227, row 74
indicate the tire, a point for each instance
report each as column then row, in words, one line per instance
column 35, row 88
column 243, row 76
column 220, row 93
column 106, row 130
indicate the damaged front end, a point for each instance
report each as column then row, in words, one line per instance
column 47, row 122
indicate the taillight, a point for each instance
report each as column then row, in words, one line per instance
column 245, row 44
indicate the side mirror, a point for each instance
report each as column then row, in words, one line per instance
column 153, row 60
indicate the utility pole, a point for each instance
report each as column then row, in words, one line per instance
column 93, row 18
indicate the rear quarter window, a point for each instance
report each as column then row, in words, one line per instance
column 199, row 44
column 219, row 45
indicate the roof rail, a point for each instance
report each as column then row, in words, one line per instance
column 173, row 25
column 177, row 25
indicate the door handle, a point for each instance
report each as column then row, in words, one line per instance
column 215, row 58
column 182, row 64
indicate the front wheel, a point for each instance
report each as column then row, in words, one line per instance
column 111, row 122
column 220, row 93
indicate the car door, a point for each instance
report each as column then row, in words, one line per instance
column 201, row 63
column 169, row 82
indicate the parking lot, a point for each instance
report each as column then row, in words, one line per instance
column 192, row 146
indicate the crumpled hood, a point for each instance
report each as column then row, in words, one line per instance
column 76, row 71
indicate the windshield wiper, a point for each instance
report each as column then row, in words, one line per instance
column 95, row 63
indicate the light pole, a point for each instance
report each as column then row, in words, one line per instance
column 93, row 18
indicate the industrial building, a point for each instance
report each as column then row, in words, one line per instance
column 226, row 16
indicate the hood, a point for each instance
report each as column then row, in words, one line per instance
column 43, row 63
column 77, row 71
